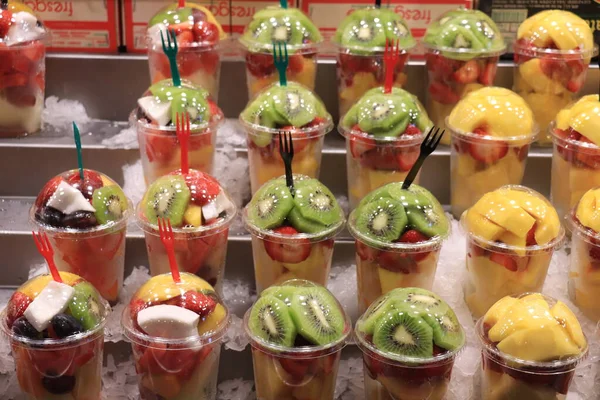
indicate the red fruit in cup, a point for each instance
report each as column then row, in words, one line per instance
column 414, row 236
column 206, row 32
column 299, row 369
column 594, row 252
column 197, row 302
column 530, row 241
column 360, row 145
column 442, row 93
column 506, row 260
column 351, row 64
column 576, row 83
column 209, row 61
column 589, row 157
column 294, row 252
column 260, row 64
column 300, row 139
column 407, row 158
column 17, row 305
column 15, row 79
column 382, row 158
column 487, row 151
column 467, row 73
column 365, row 252
column 203, row 187
column 160, row 148
column 185, row 38
column 91, row 181
column 521, row 152
column 33, row 52
column 21, row 96
column 47, row 191
column 398, row 262
column 412, row 130
column 440, row 67
column 134, row 308
column 5, row 22
column 488, row 73
column 295, row 64
column 106, row 246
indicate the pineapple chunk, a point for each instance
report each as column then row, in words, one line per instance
column 193, row 215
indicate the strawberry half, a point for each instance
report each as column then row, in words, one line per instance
column 293, row 252
column 197, row 302
column 412, row 130
column 5, row 22
column 488, row 73
column 160, row 148
column 407, row 158
column 259, row 64
column 203, row 187
column 91, row 181
column 17, row 305
column 398, row 262
column 360, row 145
column 442, row 93
column 487, row 151
column 47, row 191
column 298, row 368
column 295, row 64
column 530, row 241
column 206, row 32
column 505, row 260
column 365, row 252
column 414, row 236
column 467, row 73
column 594, row 252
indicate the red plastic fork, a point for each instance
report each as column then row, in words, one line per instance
column 167, row 239
column 391, row 56
column 45, row 248
column 183, row 135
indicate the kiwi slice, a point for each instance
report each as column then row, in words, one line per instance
column 85, row 305
column 414, row 196
column 110, row 203
column 404, row 333
column 283, row 293
column 302, row 224
column 382, row 219
column 261, row 114
column 316, row 203
column 430, row 221
column 270, row 320
column 167, row 197
column 293, row 105
column 420, row 299
column 270, row 205
column 447, row 332
column 379, row 114
column 364, row 33
column 380, row 308
column 317, row 315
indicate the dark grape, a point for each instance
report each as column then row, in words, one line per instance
column 80, row 220
column 58, row 384
column 65, row 325
column 22, row 327
column 51, row 216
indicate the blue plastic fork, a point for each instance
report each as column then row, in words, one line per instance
column 170, row 48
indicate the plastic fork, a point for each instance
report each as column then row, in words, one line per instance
column 45, row 248
column 183, row 135
column 170, row 48
column 280, row 59
column 286, row 149
column 166, row 237
column 391, row 56
column 427, row 147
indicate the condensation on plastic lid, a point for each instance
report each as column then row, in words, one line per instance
column 539, row 52
column 461, row 52
column 156, row 130
column 399, row 141
column 470, row 136
column 579, row 145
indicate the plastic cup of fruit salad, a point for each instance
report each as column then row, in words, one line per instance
column 56, row 334
column 198, row 35
column 576, row 155
column 584, row 275
column 552, row 54
column 200, row 212
column 399, row 235
column 22, row 70
column 462, row 48
column 155, row 121
column 492, row 129
column 409, row 338
column 380, row 151
column 86, row 223
column 176, row 330
column 512, row 233
column 361, row 40
column 297, row 332
column 531, row 347
column 302, row 114
column 301, row 37
column 292, row 236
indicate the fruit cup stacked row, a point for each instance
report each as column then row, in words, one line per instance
column 86, row 220
column 297, row 332
column 198, row 35
column 512, row 233
column 155, row 120
column 281, row 109
column 288, row 26
column 22, row 70
column 292, row 232
column 462, row 47
column 383, row 134
column 56, row 333
column 492, row 129
column 176, row 329
column 399, row 234
column 552, row 55
column 200, row 212
column 576, row 156
column 361, row 39
column 531, row 347
column 409, row 339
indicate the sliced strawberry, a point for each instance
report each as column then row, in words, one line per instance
column 299, row 138
column 475, row 251
column 382, row 158
column 374, row 366
column 521, row 152
column 414, row 236
column 160, row 148
column 47, row 191
column 34, row 52
column 210, row 61
column 17, row 305
column 135, row 307
column 440, row 68
column 21, row 96
column 530, row 241
column 293, row 252
column 351, row 64
column 298, row 368
column 91, row 181
column 467, row 73
column 295, row 64
column 106, row 247
column 407, row 158
column 576, row 83
column 360, row 145
column 487, row 151
column 189, row 61
column 185, row 38
column 5, row 22
column 197, row 302
column 15, row 79
column 20, row 63
column 412, row 130
column 488, row 73
column 442, row 93
column 203, row 187
column 566, row 150
column 507, row 261
column 398, row 262
column 588, row 157
column 205, row 32
column 366, row 252
column 260, row 64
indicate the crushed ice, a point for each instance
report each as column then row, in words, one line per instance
column 125, row 139
column 134, row 185
column 61, row 113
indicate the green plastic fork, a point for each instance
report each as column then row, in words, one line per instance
column 280, row 59
column 170, row 48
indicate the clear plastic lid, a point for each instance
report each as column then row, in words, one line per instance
column 67, row 203
column 513, row 219
column 404, row 220
column 312, row 213
column 532, row 329
column 279, row 108
column 494, row 111
column 382, row 116
column 159, row 105
column 195, row 202
column 410, row 325
column 367, row 29
column 55, row 313
column 465, row 34
column 19, row 25
column 195, row 26
column 179, row 313
column 584, row 218
column 299, row 318
column 579, row 122
column 276, row 24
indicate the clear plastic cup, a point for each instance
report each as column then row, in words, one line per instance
column 575, row 170
column 508, row 377
column 477, row 167
column 549, row 79
column 274, row 267
column 371, row 164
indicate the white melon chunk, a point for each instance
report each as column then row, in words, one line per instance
column 67, row 199
column 168, row 321
column 51, row 301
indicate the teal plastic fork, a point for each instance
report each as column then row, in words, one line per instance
column 280, row 59
column 170, row 48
